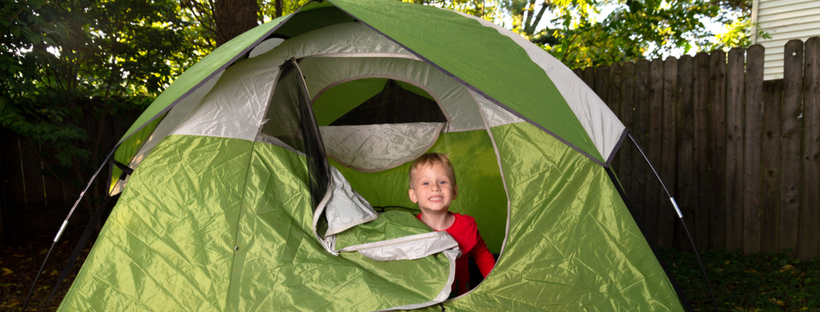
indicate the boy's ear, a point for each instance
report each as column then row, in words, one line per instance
column 455, row 192
column 412, row 195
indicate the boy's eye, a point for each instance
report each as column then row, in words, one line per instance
column 424, row 183
column 443, row 182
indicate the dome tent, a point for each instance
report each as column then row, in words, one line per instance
column 238, row 164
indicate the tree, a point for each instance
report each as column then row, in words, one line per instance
column 234, row 17
column 207, row 28
column 633, row 30
column 736, row 17
column 70, row 68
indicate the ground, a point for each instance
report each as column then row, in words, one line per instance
column 19, row 262
column 756, row 282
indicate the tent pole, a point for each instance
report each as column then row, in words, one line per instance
column 680, row 217
column 65, row 223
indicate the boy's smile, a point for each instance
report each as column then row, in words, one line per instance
column 432, row 189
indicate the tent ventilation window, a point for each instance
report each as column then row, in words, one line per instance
column 394, row 125
column 394, row 104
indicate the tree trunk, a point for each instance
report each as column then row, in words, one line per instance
column 280, row 8
column 233, row 17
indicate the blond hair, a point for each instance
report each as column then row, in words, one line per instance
column 431, row 159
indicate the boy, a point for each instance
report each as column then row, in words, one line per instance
column 433, row 187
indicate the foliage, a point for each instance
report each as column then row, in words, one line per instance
column 68, row 66
column 632, row 30
column 755, row 282
column 201, row 30
column 635, row 29
column 736, row 18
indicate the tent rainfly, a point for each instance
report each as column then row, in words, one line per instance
column 272, row 175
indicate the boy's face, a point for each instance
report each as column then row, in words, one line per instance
column 432, row 189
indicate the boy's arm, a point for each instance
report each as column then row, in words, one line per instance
column 482, row 256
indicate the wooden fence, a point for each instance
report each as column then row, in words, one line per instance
column 28, row 189
column 33, row 201
column 740, row 155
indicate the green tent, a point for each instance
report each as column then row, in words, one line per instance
column 272, row 175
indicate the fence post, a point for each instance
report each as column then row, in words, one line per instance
column 2, row 231
column 790, row 145
column 627, row 90
column 770, row 203
column 734, row 151
column 640, row 118
column 751, row 156
column 653, row 188
column 686, row 188
column 717, row 146
column 705, row 199
column 668, row 137
column 809, row 222
column 614, row 99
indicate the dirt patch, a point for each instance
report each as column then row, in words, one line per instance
column 20, row 261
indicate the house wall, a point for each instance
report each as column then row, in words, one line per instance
column 783, row 20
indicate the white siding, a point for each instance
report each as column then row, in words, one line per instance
column 784, row 20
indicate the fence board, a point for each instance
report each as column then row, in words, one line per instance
column 666, row 212
column 627, row 90
column 13, row 180
column 589, row 77
column 717, row 146
column 640, row 118
column 614, row 100
column 685, row 188
column 770, row 166
column 734, row 151
column 54, row 189
column 32, row 169
column 653, row 187
column 751, row 154
column 602, row 83
column 578, row 72
column 4, row 150
column 790, row 145
column 807, row 247
column 705, row 200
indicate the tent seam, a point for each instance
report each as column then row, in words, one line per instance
column 238, row 220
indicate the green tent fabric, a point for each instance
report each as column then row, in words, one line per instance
column 226, row 209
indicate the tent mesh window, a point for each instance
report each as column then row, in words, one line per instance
column 290, row 119
column 394, row 104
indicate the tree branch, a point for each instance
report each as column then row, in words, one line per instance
column 15, row 14
column 528, row 25
column 539, row 16
column 569, row 44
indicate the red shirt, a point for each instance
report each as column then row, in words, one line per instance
column 465, row 231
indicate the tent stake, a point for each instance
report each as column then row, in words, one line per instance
column 62, row 227
column 680, row 217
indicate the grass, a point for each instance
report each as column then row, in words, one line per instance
column 754, row 282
